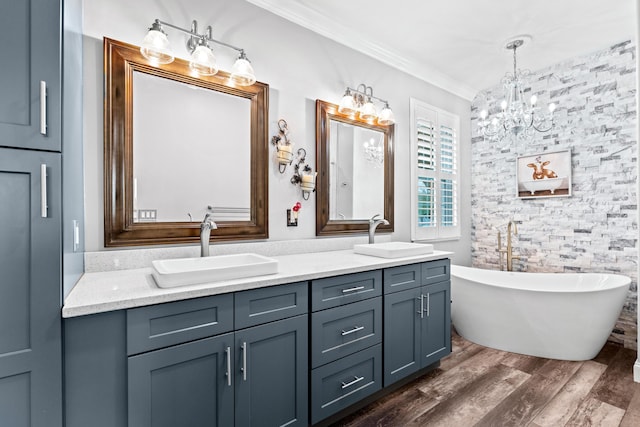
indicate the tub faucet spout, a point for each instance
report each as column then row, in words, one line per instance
column 509, row 249
column 205, row 233
column 373, row 224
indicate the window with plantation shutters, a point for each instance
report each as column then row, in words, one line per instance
column 434, row 172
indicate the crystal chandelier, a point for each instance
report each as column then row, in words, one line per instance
column 517, row 117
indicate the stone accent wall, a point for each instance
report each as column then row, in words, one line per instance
column 594, row 230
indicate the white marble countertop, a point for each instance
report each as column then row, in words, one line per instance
column 116, row 290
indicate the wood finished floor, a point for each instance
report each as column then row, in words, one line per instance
column 479, row 386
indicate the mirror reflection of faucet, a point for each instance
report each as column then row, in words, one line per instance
column 205, row 231
column 373, row 224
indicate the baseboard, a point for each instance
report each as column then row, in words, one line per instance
column 636, row 371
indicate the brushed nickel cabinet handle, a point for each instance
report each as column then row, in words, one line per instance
column 356, row 380
column 351, row 331
column 44, row 209
column 244, row 361
column 421, row 311
column 357, row 288
column 228, row 373
column 43, row 107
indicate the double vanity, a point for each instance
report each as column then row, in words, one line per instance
column 328, row 332
column 243, row 339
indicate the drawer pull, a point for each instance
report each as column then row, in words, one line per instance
column 350, row 383
column 228, row 373
column 351, row 331
column 357, row 288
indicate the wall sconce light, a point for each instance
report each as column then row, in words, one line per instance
column 156, row 48
column 304, row 176
column 359, row 102
column 284, row 147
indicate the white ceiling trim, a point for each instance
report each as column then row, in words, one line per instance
column 324, row 26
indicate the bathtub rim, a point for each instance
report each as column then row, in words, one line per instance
column 617, row 280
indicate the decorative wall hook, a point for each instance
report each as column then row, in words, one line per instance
column 303, row 175
column 283, row 146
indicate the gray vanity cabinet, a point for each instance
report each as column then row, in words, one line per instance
column 271, row 374
column 189, row 365
column 346, row 335
column 187, row 384
column 30, row 277
column 30, row 113
column 417, row 326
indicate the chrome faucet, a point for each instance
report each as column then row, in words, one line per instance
column 509, row 249
column 206, row 226
column 373, row 224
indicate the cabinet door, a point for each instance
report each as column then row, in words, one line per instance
column 436, row 326
column 272, row 374
column 402, row 326
column 30, row 48
column 185, row 385
column 30, row 282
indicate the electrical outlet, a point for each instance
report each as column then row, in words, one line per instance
column 147, row 215
column 76, row 235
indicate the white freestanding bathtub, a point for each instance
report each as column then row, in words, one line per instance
column 566, row 316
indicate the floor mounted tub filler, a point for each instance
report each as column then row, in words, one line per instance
column 566, row 316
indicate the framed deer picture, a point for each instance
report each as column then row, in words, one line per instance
column 544, row 175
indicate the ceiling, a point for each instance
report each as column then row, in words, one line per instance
column 460, row 45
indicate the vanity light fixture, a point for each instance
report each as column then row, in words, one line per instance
column 359, row 102
column 157, row 49
column 516, row 117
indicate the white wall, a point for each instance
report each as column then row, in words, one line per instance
column 300, row 67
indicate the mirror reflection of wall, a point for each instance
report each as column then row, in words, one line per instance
column 356, row 176
column 188, row 154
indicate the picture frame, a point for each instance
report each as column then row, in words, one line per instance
column 546, row 174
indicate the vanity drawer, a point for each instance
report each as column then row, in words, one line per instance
column 264, row 305
column 335, row 291
column 340, row 331
column 344, row 382
column 402, row 277
column 435, row 271
column 164, row 325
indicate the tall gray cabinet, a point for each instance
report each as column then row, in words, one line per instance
column 31, row 208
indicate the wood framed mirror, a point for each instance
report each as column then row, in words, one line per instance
column 354, row 160
column 176, row 143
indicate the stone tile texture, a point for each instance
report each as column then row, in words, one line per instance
column 596, row 228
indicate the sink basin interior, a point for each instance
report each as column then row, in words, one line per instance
column 393, row 249
column 190, row 271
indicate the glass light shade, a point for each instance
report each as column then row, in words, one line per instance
column 552, row 107
column 368, row 111
column 534, row 99
column 156, row 48
column 347, row 105
column 386, row 117
column 203, row 61
column 242, row 72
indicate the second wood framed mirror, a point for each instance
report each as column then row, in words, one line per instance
column 355, row 173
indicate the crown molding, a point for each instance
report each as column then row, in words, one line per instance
column 321, row 24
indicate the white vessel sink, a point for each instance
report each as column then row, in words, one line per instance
column 393, row 249
column 190, row 271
